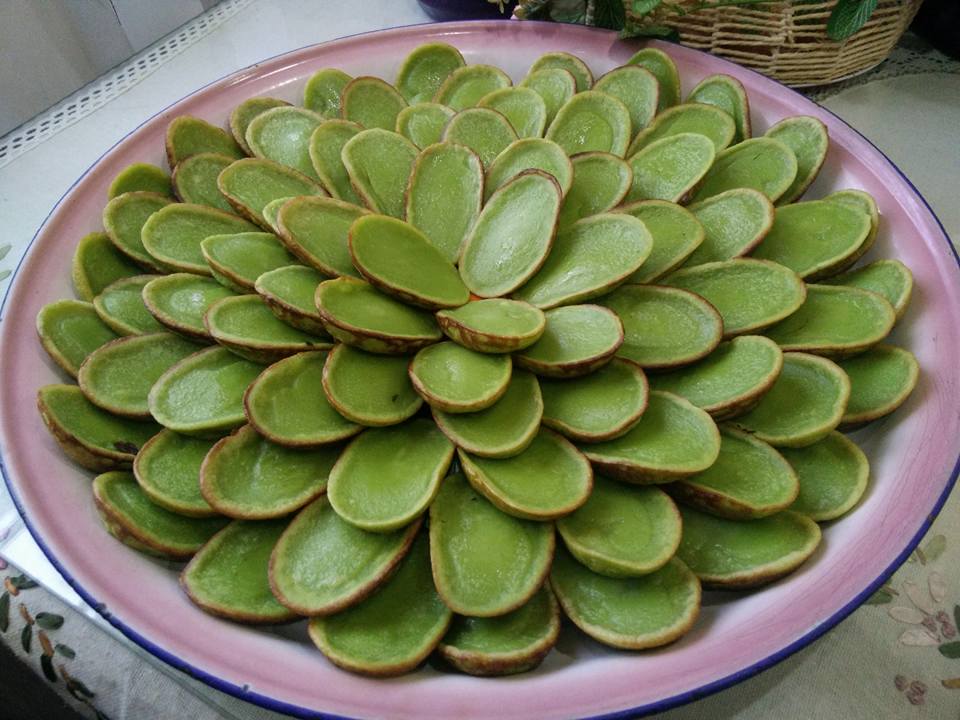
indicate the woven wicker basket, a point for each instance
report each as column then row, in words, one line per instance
column 788, row 40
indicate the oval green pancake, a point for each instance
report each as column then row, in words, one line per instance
column 676, row 234
column 69, row 331
column 555, row 85
column 140, row 177
column 424, row 70
column 123, row 220
column 242, row 115
column 379, row 163
column 636, row 88
column 529, row 154
column 323, row 91
column 495, row 325
column 522, row 107
column 833, row 475
column 423, row 123
column 669, row 168
column 120, row 305
column 807, row 138
column 325, row 150
column 881, row 379
column 97, row 263
column 577, row 340
column 707, row 120
column 565, row 61
column 592, row 121
column 726, row 93
column 316, row 230
column 179, row 302
column 456, row 379
column 173, row 234
column 249, row 185
column 289, row 293
column 734, row 223
column 600, row 182
column 764, row 164
column 863, row 201
column 467, row 86
column 889, row 278
column 282, row 134
column 371, row 103
column 195, row 180
column 485, row 131
column 246, row 326
column 238, row 260
column 662, row 67
column 187, row 135
column 168, row 470
column 369, row 389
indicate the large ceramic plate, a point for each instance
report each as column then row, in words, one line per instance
column 913, row 453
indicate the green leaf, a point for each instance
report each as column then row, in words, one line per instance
column 655, row 31
column 4, row 274
column 65, row 650
column 22, row 582
column 569, row 11
column 848, row 17
column 880, row 597
column 49, row 621
column 644, row 7
column 950, row 649
column 4, row 612
column 935, row 547
column 4, row 250
column 26, row 636
column 47, row 664
column 75, row 686
column 610, row 14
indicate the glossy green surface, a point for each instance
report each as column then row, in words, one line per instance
column 173, row 235
column 239, row 259
column 636, row 88
column 673, row 439
column 734, row 222
column 316, row 231
column 670, row 167
column 881, row 379
column 123, row 219
column 494, row 325
column 485, row 562
column 399, row 260
column 512, row 236
column 662, row 67
column 664, row 327
column 424, row 70
column 203, row 394
column 369, row 389
column 250, row 184
column 195, row 180
column 529, row 154
column 388, row 476
column 180, row 301
column 600, row 182
column 289, row 292
column 379, row 164
column 423, row 123
column 598, row 406
column 245, row 112
column 707, row 120
column 631, row 613
column 287, row 404
column 325, row 148
column 577, row 339
column 120, row 305
column 565, row 61
column 323, row 92
column 726, row 93
column 483, row 130
column 445, row 217
column 591, row 121
column 97, row 263
column 622, row 531
column 676, row 234
column 466, row 86
column 246, row 325
column 283, row 135
column 168, row 470
column 372, row 103
column 517, row 484
column 588, row 259
column 453, row 378
column 554, row 85
column 187, row 135
column 764, row 164
column 889, row 278
column 807, row 138
column 505, row 428
column 805, row 403
column 748, row 294
column 833, row 476
column 70, row 330
column 140, row 177
column 522, row 107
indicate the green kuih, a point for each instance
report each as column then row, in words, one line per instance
column 565, row 61
column 289, row 292
column 888, row 278
column 485, row 131
column 69, row 331
column 357, row 314
column 228, row 577
column 496, row 325
column 592, row 121
column 237, row 260
column 270, row 212
column 863, row 201
column 764, row 164
column 248, row 477
column 833, row 475
column 325, row 150
column 423, row 123
column 673, row 439
column 202, row 395
column 97, row 263
column 456, row 379
column 807, row 138
column 373, row 390
column 577, row 340
column 748, row 480
column 287, row 404
column 91, row 437
column 485, row 563
column 372, row 103
column 636, row 88
column 662, row 67
column 600, row 182
column 324, row 90
column 664, row 327
column 730, row 380
column 504, row 429
column 129, row 516
column 465, row 87
column 522, row 107
column 629, row 612
column 516, row 484
column 881, row 379
column 195, row 180
column 734, row 223
column 168, row 471
column 322, row 565
column 600, row 406
column 749, row 294
column 555, row 85
column 424, row 70
column 407, row 609
column 179, row 302
column 124, row 218
column 726, row 93
column 282, row 134
column 805, row 403
column 530, row 154
column 388, row 477
column 187, row 135
column 622, row 531
column 676, row 234
column 379, row 163
column 140, row 177
column 738, row 554
column 120, row 305
column 507, row 644
column 250, row 184
column 707, row 120
column 669, row 168
column 244, row 113
column 316, row 230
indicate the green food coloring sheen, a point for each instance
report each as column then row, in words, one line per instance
column 372, row 103
column 494, row 325
column 504, row 429
column 730, row 380
column 676, row 233
column 372, row 390
column 118, row 376
column 252, row 183
column 672, row 440
column 512, row 235
column 229, row 577
column 316, row 230
column 630, row 612
column 485, row 562
column 195, row 180
column 707, row 120
column 289, row 292
column 187, row 135
column 246, row 476
column 807, row 138
column 173, row 235
column 97, row 263
column 636, row 88
column 69, row 331
column 565, row 61
column 124, row 218
column 622, row 531
column 669, row 168
column 600, row 406
column 140, row 177
column 588, row 259
column 399, row 260
column 388, row 476
column 323, row 92
column 748, row 480
column 179, row 302
column 323, row 564
column 522, row 107
column 455, row 379
column 168, row 471
column 445, row 217
column 591, row 121
column 726, row 93
column 577, row 340
column 128, row 513
column 283, row 135
column 246, row 326
column 748, row 294
column 517, row 485
column 120, row 305
column 764, row 164
column 554, row 85
column 881, row 379
column 484, row 131
column 889, row 278
column 407, row 609
column 530, row 154
column 805, row 403
column 734, row 554
column 664, row 327
column 466, row 86
column 287, row 404
column 600, row 181
column 662, row 67
column 355, row 313
column 237, row 260
column 326, row 146
column 203, row 394
column 833, row 475
column 379, row 163
column 424, row 70
column 423, row 123
column 244, row 113
column 734, row 223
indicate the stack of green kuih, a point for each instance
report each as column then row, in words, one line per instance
column 370, row 375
